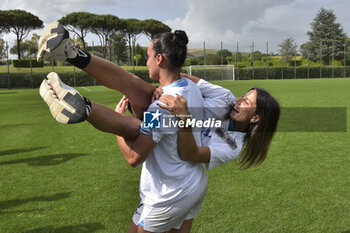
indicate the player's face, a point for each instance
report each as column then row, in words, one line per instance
column 244, row 111
column 152, row 63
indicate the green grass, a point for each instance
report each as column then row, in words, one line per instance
column 73, row 178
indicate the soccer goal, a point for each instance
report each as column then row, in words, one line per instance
column 212, row 72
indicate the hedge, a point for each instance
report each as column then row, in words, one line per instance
column 273, row 73
column 291, row 72
column 34, row 80
column 25, row 63
column 82, row 79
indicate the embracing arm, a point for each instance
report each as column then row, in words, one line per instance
column 212, row 92
column 188, row 149
column 136, row 152
column 191, row 77
column 187, row 145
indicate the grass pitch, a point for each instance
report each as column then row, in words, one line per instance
column 73, row 178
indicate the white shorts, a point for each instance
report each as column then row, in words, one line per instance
column 172, row 216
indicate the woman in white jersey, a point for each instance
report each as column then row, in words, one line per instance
column 249, row 123
column 171, row 189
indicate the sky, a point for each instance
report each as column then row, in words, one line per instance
column 212, row 21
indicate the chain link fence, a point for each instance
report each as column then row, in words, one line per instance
column 250, row 61
column 263, row 61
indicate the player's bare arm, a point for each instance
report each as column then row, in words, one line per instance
column 135, row 152
column 191, row 77
column 188, row 149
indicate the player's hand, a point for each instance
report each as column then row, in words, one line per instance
column 54, row 44
column 122, row 106
column 66, row 104
column 184, row 75
column 175, row 105
column 156, row 94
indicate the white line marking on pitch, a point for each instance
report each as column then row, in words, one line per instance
column 86, row 88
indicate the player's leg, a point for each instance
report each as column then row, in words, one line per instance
column 195, row 202
column 54, row 44
column 138, row 91
column 137, row 229
column 68, row 106
column 185, row 228
column 107, row 120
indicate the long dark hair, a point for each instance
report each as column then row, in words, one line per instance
column 259, row 135
column 173, row 46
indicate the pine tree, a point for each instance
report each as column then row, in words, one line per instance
column 327, row 37
column 288, row 49
column 21, row 23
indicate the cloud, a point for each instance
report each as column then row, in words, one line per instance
column 52, row 10
column 226, row 20
column 272, row 21
column 212, row 21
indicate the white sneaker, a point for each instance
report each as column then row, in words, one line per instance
column 54, row 44
column 66, row 104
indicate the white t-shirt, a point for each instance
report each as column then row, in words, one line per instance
column 216, row 104
column 165, row 178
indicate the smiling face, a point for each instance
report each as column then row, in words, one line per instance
column 244, row 111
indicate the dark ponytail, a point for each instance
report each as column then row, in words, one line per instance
column 173, row 46
column 180, row 37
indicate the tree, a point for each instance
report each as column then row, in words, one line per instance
column 229, row 59
column 304, row 49
column 194, row 61
column 222, row 53
column 120, row 48
column 104, row 26
column 29, row 48
column 78, row 23
column 153, row 27
column 3, row 22
column 347, row 44
column 2, row 49
column 288, row 49
column 143, row 52
column 132, row 30
column 212, row 59
column 326, row 38
column 21, row 23
column 258, row 55
column 137, row 58
column 79, row 42
column 239, row 57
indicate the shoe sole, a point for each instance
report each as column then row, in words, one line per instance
column 52, row 37
column 58, row 95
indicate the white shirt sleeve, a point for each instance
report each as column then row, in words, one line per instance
column 219, row 155
column 216, row 99
column 221, row 152
column 215, row 92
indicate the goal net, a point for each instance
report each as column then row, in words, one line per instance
column 212, row 72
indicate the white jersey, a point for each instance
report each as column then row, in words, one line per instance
column 165, row 178
column 216, row 104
